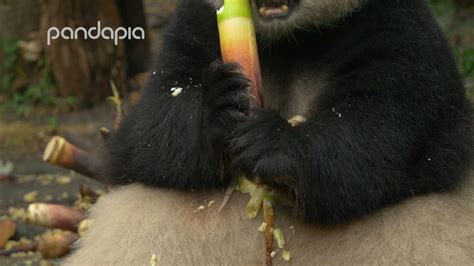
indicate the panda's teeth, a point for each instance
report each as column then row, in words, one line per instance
column 273, row 10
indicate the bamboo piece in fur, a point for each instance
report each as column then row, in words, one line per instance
column 268, row 215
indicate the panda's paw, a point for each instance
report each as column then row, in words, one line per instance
column 261, row 150
column 226, row 95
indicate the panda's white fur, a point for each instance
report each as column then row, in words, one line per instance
column 134, row 222
column 311, row 12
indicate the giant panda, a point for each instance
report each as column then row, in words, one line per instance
column 386, row 141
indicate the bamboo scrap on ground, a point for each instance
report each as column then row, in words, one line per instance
column 55, row 244
column 6, row 169
column 87, row 192
column 52, row 245
column 7, row 230
column 54, row 216
column 84, row 227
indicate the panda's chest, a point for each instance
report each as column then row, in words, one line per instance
column 292, row 91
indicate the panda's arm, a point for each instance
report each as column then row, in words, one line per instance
column 379, row 136
column 174, row 136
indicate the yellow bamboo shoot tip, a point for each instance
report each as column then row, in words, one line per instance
column 53, row 149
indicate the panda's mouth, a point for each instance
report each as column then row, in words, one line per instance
column 276, row 9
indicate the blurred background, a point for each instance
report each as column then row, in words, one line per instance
column 72, row 88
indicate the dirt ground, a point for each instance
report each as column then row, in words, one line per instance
column 22, row 141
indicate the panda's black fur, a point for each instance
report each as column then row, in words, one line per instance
column 387, row 116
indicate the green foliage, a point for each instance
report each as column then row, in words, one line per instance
column 444, row 11
column 39, row 88
column 467, row 62
column 10, row 49
column 53, row 124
